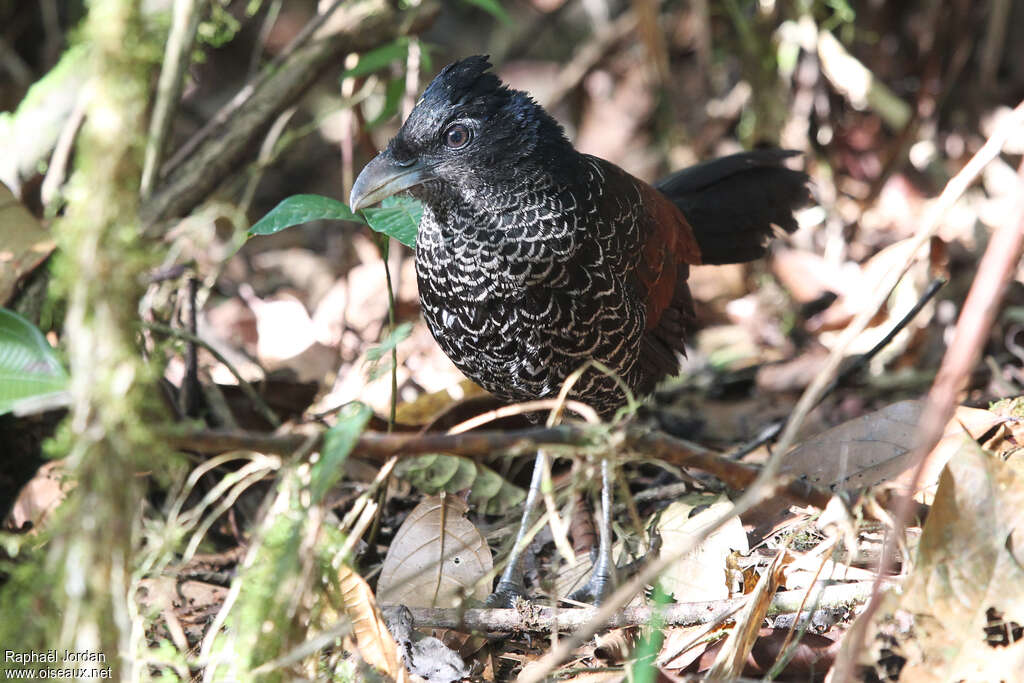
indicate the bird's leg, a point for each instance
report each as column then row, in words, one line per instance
column 510, row 585
column 602, row 578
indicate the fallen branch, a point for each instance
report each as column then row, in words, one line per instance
column 736, row 475
column 535, row 619
column 379, row 446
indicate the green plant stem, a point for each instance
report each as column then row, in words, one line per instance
column 81, row 596
column 250, row 392
column 384, row 241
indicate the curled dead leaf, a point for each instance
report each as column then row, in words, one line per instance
column 375, row 643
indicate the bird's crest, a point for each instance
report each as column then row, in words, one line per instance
column 463, row 81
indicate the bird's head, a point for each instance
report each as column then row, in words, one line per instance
column 467, row 132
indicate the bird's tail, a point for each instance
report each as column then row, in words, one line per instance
column 737, row 203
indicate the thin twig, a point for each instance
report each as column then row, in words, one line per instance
column 588, row 56
column 771, row 431
column 736, row 475
column 617, row 601
column 269, row 21
column 581, row 409
column 57, row 169
column 201, row 165
column 191, row 390
column 250, row 392
column 998, row 264
column 184, row 23
column 247, row 90
column 379, row 446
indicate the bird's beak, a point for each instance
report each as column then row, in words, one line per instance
column 383, row 177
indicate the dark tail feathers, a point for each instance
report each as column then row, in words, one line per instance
column 737, row 203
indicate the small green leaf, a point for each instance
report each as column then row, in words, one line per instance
column 434, row 473
column 338, row 443
column 393, row 339
column 29, row 368
column 378, row 58
column 492, row 7
column 649, row 645
column 375, row 369
column 302, row 208
column 398, row 217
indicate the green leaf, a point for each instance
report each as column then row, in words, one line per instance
column 398, row 217
column 393, row 339
column 378, row 58
column 302, row 208
column 434, row 473
column 375, row 369
column 646, row 650
column 492, row 7
column 29, row 368
column 338, row 443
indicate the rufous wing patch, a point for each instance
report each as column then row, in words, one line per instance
column 669, row 243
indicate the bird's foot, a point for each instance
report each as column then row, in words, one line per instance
column 505, row 595
column 597, row 588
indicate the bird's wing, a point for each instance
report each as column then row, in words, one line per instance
column 665, row 242
column 668, row 243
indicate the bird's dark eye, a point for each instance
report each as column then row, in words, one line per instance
column 456, row 136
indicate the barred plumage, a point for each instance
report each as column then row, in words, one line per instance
column 533, row 259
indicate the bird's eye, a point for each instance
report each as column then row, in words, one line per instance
column 456, row 136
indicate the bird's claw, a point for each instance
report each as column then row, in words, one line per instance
column 506, row 595
column 597, row 588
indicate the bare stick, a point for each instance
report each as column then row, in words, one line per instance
column 380, row 446
column 534, row 619
column 246, row 91
column 769, row 433
column 184, row 22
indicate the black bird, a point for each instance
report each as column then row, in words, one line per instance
column 533, row 259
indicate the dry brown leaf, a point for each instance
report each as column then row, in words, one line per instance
column 376, row 645
column 429, row 405
column 701, row 574
column 583, row 676
column 904, row 297
column 876, row 448
column 24, row 243
column 436, row 558
column 39, row 497
column 809, row 656
column 794, row 374
column 684, row 645
column 732, row 657
column 962, row 608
